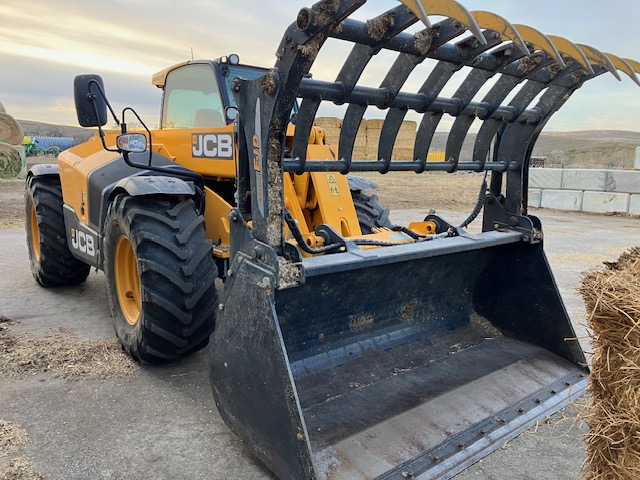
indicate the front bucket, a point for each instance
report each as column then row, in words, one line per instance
column 412, row 361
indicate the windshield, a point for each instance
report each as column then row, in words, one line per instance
column 232, row 71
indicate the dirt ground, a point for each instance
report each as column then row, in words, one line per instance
column 63, row 416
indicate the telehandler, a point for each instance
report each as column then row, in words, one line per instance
column 345, row 347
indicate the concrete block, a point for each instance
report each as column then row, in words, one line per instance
column 637, row 164
column 605, row 202
column 624, row 181
column 535, row 197
column 562, row 199
column 584, row 179
column 545, row 178
column 634, row 204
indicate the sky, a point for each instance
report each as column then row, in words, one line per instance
column 45, row 44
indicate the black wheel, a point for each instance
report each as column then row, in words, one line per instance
column 370, row 213
column 160, row 277
column 51, row 261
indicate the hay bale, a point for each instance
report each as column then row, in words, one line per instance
column 328, row 122
column 10, row 130
column 22, row 151
column 10, row 161
column 331, row 126
column 2, row 109
column 612, row 297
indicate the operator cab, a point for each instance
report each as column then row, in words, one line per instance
column 197, row 94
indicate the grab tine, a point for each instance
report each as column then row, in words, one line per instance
column 634, row 64
column 496, row 23
column 596, row 57
column 570, row 49
column 624, row 66
column 447, row 8
column 540, row 42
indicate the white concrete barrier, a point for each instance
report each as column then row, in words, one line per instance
column 588, row 190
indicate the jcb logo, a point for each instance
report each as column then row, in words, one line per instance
column 212, row 145
column 83, row 242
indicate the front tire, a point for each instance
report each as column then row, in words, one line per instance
column 370, row 213
column 52, row 263
column 160, row 277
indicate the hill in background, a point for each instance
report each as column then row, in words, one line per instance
column 53, row 130
column 581, row 149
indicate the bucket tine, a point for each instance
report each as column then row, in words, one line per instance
column 446, row 8
column 596, row 57
column 572, row 51
column 624, row 66
column 443, row 72
column 520, row 102
column 399, row 72
column 496, row 23
column 540, row 41
column 634, row 64
column 435, row 83
column 477, row 79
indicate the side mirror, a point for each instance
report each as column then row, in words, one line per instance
column 91, row 105
column 132, row 142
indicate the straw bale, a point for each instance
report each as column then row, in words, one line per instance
column 328, row 122
column 360, row 153
column 402, row 153
column 333, row 135
column 10, row 161
column 362, row 136
column 612, row 297
column 10, row 130
column 409, row 126
column 375, row 124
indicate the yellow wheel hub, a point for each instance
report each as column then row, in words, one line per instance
column 35, row 233
column 127, row 280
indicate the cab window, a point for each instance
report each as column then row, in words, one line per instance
column 192, row 99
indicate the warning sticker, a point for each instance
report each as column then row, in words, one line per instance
column 333, row 184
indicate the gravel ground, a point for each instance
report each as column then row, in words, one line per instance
column 161, row 422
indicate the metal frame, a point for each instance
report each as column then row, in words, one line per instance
column 549, row 71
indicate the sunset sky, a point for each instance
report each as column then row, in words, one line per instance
column 44, row 44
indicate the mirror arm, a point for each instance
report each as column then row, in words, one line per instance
column 92, row 98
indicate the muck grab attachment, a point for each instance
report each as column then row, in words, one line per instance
column 402, row 352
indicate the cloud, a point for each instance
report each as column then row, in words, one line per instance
column 45, row 45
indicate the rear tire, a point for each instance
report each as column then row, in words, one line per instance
column 160, row 277
column 52, row 264
column 369, row 211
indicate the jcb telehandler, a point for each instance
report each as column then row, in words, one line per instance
column 345, row 347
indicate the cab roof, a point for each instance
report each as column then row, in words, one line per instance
column 160, row 78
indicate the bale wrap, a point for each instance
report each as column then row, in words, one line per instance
column 10, row 161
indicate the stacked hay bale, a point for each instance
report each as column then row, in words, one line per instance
column 403, row 148
column 360, row 150
column 368, row 138
column 612, row 297
column 12, row 153
column 374, row 129
column 331, row 126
